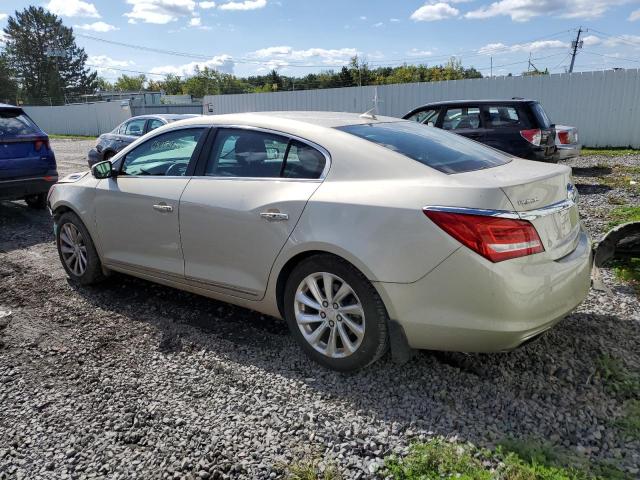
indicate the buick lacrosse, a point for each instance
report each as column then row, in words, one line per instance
column 362, row 232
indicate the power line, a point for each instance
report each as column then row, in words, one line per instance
column 612, row 56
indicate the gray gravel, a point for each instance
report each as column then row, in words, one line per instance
column 136, row 380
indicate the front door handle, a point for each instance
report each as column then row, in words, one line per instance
column 274, row 216
column 163, row 207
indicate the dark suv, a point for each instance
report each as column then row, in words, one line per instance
column 519, row 127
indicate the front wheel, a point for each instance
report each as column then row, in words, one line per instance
column 335, row 314
column 77, row 251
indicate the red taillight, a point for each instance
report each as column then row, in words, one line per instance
column 533, row 136
column 43, row 142
column 494, row 238
column 563, row 137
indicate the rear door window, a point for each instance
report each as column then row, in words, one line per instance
column 430, row 146
column 541, row 115
column 15, row 123
column 461, row 118
column 503, row 116
column 134, row 128
column 155, row 123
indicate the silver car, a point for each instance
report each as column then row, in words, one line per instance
column 362, row 232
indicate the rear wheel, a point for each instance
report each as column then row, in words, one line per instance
column 77, row 251
column 36, row 201
column 335, row 314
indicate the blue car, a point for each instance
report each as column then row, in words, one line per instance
column 27, row 163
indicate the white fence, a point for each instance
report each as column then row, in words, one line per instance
column 605, row 106
column 79, row 119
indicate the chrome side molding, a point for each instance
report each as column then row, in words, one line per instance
column 525, row 215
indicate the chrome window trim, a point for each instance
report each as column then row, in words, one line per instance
column 320, row 148
column 512, row 214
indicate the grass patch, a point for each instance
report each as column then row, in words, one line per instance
column 310, row 470
column 622, row 177
column 618, row 381
column 629, row 423
column 438, row 459
column 71, row 137
column 609, row 152
column 623, row 214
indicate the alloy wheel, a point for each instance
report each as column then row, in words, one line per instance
column 73, row 249
column 329, row 315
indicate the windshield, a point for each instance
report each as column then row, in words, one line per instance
column 14, row 123
column 446, row 152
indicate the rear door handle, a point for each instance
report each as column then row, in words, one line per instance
column 274, row 216
column 163, row 207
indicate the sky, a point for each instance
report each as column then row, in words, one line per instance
column 246, row 37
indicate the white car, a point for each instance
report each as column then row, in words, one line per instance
column 359, row 231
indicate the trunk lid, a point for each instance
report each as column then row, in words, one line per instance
column 539, row 192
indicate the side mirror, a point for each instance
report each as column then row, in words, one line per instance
column 103, row 170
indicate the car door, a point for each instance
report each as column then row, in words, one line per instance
column 137, row 211
column 464, row 120
column 504, row 123
column 236, row 216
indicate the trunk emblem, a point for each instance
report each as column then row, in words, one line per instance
column 572, row 192
column 527, row 201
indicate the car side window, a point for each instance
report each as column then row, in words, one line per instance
column 239, row 152
column 155, row 123
column 502, row 116
column 461, row 118
column 303, row 161
column 167, row 154
column 134, row 127
column 428, row 117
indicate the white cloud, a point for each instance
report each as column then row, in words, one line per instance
column 591, row 40
column 524, row 10
column 73, row 8
column 104, row 64
column 159, row 11
column 363, row 18
column 245, row 5
column 394, row 20
column 283, row 56
column 3, row 16
column 496, row 48
column 3, row 37
column 378, row 25
column 414, row 52
column 222, row 63
column 433, row 12
column 207, row 5
column 195, row 22
column 635, row 15
column 96, row 27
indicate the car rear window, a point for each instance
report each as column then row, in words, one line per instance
column 14, row 123
column 435, row 148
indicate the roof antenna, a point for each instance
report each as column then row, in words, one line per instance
column 371, row 114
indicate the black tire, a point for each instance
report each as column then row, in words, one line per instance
column 93, row 272
column 375, row 341
column 38, row 201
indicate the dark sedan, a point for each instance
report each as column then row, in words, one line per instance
column 27, row 163
column 517, row 126
column 127, row 132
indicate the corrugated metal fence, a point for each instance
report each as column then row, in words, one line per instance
column 79, row 119
column 155, row 109
column 605, row 106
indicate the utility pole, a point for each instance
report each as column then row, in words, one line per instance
column 575, row 45
column 491, row 66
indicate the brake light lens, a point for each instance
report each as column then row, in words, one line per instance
column 495, row 238
column 43, row 142
column 533, row 136
column 564, row 137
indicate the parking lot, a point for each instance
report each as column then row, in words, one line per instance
column 136, row 380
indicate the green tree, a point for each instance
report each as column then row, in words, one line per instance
column 42, row 52
column 172, row 84
column 126, row 83
column 103, row 84
column 8, row 84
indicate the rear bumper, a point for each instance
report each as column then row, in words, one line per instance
column 19, row 188
column 541, row 154
column 472, row 305
column 565, row 152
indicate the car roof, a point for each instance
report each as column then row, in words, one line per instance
column 165, row 116
column 291, row 119
column 6, row 106
column 478, row 102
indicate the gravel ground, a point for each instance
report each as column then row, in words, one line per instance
column 136, row 380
